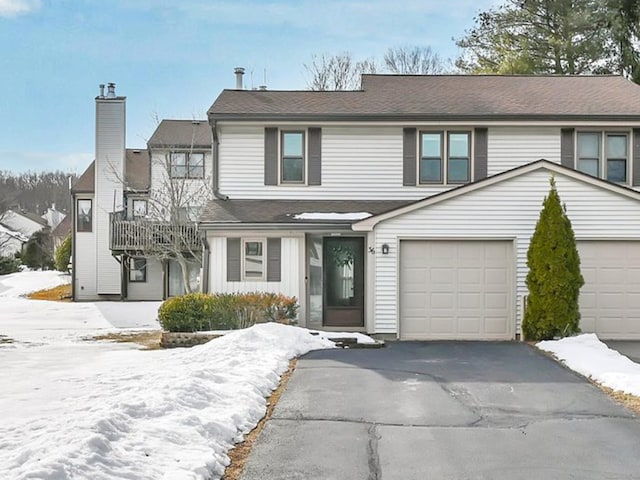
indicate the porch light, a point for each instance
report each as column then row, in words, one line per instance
column 385, row 248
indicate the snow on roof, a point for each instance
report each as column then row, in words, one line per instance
column 13, row 233
column 332, row 216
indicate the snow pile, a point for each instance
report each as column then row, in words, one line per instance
column 590, row 357
column 146, row 415
column 332, row 216
column 360, row 337
column 22, row 283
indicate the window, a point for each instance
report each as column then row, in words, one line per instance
column 292, row 162
column 83, row 215
column 139, row 208
column 187, row 165
column 137, row 270
column 452, row 157
column 603, row 154
column 253, row 259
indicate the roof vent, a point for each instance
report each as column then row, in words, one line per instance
column 239, row 71
column 262, row 87
column 111, row 90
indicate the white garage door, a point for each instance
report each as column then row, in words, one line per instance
column 610, row 297
column 456, row 290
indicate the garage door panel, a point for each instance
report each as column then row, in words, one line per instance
column 610, row 297
column 467, row 287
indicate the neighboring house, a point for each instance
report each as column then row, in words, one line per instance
column 126, row 206
column 11, row 242
column 53, row 217
column 25, row 223
column 60, row 232
column 402, row 209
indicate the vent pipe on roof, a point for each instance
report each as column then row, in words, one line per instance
column 102, row 90
column 239, row 71
column 111, row 90
column 262, row 87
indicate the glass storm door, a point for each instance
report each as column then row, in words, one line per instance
column 343, row 292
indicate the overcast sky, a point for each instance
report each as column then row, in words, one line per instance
column 171, row 59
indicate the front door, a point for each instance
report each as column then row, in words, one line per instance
column 343, row 292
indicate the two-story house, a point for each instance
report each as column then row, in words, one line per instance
column 406, row 208
column 134, row 210
column 403, row 209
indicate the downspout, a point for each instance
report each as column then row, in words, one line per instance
column 216, row 165
column 206, row 252
column 74, row 258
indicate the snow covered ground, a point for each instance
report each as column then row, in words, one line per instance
column 590, row 357
column 81, row 409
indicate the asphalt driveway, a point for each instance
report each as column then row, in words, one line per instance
column 444, row 410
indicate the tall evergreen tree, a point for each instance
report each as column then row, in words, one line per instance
column 554, row 36
column 554, row 279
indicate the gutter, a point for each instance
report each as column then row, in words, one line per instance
column 216, row 166
column 204, row 226
column 204, row 284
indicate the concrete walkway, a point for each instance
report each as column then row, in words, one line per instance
column 443, row 410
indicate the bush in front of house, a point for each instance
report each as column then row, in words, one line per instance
column 554, row 277
column 63, row 255
column 226, row 311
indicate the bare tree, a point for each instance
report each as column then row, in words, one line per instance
column 179, row 188
column 337, row 72
column 414, row 61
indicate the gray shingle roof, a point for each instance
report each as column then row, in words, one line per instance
column 284, row 211
column 406, row 97
column 137, row 173
column 181, row 134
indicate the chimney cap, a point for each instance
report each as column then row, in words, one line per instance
column 111, row 90
column 239, row 70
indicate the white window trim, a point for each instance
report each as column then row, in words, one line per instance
column 305, row 162
column 602, row 165
column 187, row 165
column 243, row 252
column 445, row 132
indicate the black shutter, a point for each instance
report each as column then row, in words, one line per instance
column 480, row 154
column 274, row 254
column 409, row 157
column 635, row 159
column 270, row 156
column 567, row 154
column 234, row 253
column 315, row 156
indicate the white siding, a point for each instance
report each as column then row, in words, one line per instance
column 511, row 147
column 84, row 261
column 190, row 192
column 291, row 262
column 365, row 162
column 153, row 288
column 110, row 142
column 506, row 210
column 357, row 163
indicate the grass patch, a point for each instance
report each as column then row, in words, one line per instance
column 61, row 293
column 240, row 453
column 148, row 339
column 630, row 401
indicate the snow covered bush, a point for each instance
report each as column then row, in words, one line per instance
column 554, row 277
column 198, row 311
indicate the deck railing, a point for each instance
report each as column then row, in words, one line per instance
column 144, row 236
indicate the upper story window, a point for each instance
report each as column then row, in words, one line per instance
column 292, row 157
column 604, row 154
column 187, row 165
column 139, row 208
column 445, row 157
column 84, row 216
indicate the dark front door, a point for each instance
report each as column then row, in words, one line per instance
column 343, row 299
